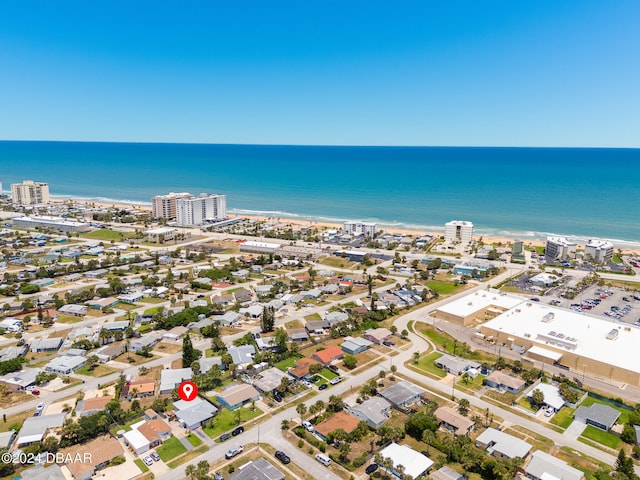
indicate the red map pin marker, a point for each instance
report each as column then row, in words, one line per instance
column 187, row 391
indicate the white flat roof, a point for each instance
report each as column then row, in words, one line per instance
column 415, row 464
column 474, row 302
column 569, row 331
column 551, row 394
column 136, row 439
column 543, row 352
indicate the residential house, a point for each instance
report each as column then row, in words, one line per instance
column 103, row 450
column 415, row 463
column 505, row 382
column 132, row 297
column 140, row 388
column 65, row 365
column 237, row 396
column 103, row 303
column 115, row 326
column 171, row 378
column 270, row 379
column 72, row 309
column 338, row 420
column 242, row 355
column 175, row 333
column 449, row 419
column 599, row 415
column 223, row 300
column 108, row 352
column 34, row 429
column 46, row 345
column 317, row 327
column 354, row 345
column 543, row 466
column 552, row 397
column 207, row 364
column 329, row 354
column 374, row 411
column 456, row 365
column 298, row 335
column 259, row 469
column 194, row 413
column 16, row 381
column 502, row 445
column 378, row 335
column 7, row 438
column 148, row 340
column 336, row 317
column 446, row 473
column 9, row 353
column 243, row 297
column 301, row 369
column 402, row 394
column 91, row 406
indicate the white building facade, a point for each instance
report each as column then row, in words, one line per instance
column 197, row 210
column 29, row 193
column 458, row 231
column 367, row 229
column 559, row 248
column 600, row 251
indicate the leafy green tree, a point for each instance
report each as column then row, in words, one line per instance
column 463, row 406
column 350, row 361
column 188, row 354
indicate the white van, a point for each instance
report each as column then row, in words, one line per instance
column 323, row 459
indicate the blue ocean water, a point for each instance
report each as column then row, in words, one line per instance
column 516, row 192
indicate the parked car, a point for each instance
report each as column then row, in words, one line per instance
column 371, row 468
column 307, row 425
column 35, row 391
column 155, row 456
column 323, row 386
column 147, row 460
column 224, row 437
column 237, row 431
column 277, row 397
column 335, row 380
column 283, row 457
column 232, row 452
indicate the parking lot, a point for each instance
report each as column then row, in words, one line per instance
column 613, row 303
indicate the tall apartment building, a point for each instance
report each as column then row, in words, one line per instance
column 600, row 251
column 368, row 229
column 164, row 206
column 195, row 211
column 458, row 231
column 559, row 248
column 29, row 193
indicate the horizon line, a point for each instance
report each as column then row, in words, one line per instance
column 134, row 142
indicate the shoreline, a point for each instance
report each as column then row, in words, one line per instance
column 529, row 238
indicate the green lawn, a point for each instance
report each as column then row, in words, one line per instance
column 141, row 465
column 99, row 371
column 227, row 420
column 604, row 438
column 426, row 364
column 474, row 383
column 151, row 311
column 68, row 319
column 563, row 418
column 153, row 300
column 284, row 364
column 107, row 235
column 170, row 449
column 194, row 440
column 328, row 374
column 443, row 288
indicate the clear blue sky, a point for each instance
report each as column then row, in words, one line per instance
column 518, row 73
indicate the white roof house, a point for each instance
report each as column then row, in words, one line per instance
column 65, row 365
column 137, row 441
column 34, row 428
column 543, row 466
column 552, row 396
column 414, row 463
column 171, row 378
column 502, row 445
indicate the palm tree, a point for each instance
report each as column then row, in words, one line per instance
column 190, row 471
column 428, row 436
column 301, row 408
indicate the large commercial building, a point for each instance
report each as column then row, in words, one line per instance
column 57, row 224
column 368, row 229
column 29, row 193
column 194, row 211
column 600, row 251
column 164, row 206
column 458, row 231
column 477, row 307
column 584, row 343
column 559, row 248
